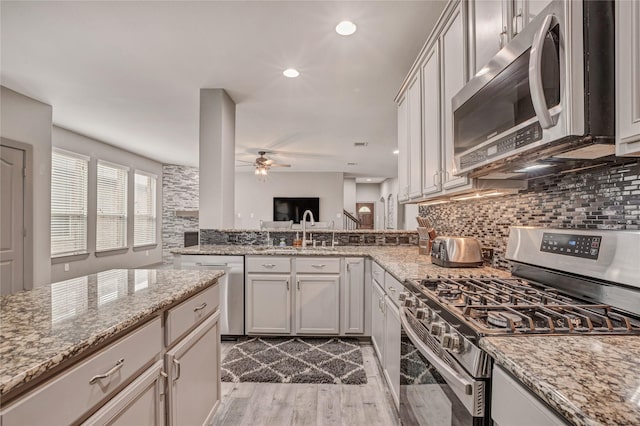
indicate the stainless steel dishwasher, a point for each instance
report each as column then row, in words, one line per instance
column 231, row 287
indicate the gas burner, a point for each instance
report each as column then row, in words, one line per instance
column 504, row 319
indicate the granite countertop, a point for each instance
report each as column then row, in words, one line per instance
column 590, row 380
column 403, row 262
column 44, row 327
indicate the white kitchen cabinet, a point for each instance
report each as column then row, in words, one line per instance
column 453, row 78
column 431, row 159
column 317, row 304
column 403, row 150
column 140, row 403
column 268, row 303
column 193, row 367
column 414, row 123
column 392, row 337
column 627, row 78
column 353, row 296
column 377, row 320
column 524, row 11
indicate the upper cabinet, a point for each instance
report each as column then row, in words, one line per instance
column 493, row 23
column 403, row 148
column 628, row 78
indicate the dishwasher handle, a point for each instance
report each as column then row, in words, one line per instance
column 222, row 265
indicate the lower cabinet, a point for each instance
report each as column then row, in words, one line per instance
column 377, row 320
column 268, row 303
column 140, row 403
column 354, row 296
column 193, row 368
column 392, row 339
column 317, row 304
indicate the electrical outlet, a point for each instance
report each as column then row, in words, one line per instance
column 487, row 253
column 66, row 267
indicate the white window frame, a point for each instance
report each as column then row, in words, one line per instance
column 85, row 214
column 154, row 215
column 126, row 206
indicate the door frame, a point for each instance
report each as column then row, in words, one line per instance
column 373, row 212
column 27, row 203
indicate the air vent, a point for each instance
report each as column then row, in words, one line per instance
column 360, row 144
column 352, row 164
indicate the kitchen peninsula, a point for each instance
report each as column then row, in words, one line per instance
column 106, row 337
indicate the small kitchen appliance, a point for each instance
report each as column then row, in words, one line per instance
column 456, row 252
column 564, row 281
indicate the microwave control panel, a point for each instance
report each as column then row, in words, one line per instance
column 586, row 246
column 510, row 142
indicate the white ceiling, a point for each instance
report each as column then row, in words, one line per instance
column 129, row 73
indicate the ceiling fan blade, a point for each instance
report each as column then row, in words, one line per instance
column 279, row 165
column 245, row 161
column 245, row 165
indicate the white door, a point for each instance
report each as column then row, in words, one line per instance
column 193, row 366
column 353, row 300
column 627, row 80
column 11, row 220
column 268, row 304
column 392, row 339
column 318, row 304
column 377, row 320
column 431, row 161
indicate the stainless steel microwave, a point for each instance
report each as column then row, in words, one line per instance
column 546, row 97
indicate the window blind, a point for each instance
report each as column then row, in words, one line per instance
column 68, row 203
column 144, row 221
column 111, row 218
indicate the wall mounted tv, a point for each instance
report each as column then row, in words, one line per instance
column 285, row 208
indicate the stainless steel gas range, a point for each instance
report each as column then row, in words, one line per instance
column 574, row 282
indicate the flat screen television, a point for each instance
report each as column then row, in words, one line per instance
column 285, row 208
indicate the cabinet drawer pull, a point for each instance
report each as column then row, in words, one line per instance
column 177, row 363
column 201, row 307
column 287, row 285
column 318, row 265
column 115, row 368
column 268, row 265
column 298, row 284
column 393, row 289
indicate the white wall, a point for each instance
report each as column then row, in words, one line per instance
column 27, row 120
column 390, row 187
column 254, row 200
column 350, row 195
column 95, row 149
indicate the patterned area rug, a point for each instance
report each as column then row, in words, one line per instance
column 295, row 360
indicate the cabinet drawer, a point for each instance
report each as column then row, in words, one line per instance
column 393, row 288
column 377, row 273
column 190, row 313
column 268, row 264
column 76, row 391
column 318, row 265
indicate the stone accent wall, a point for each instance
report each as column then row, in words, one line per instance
column 344, row 238
column 179, row 192
column 607, row 197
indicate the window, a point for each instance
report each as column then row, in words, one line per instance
column 111, row 219
column 144, row 221
column 68, row 203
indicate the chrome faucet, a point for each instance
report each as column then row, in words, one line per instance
column 304, row 226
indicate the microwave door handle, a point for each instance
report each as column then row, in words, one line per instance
column 535, row 75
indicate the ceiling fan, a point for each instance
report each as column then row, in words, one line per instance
column 262, row 164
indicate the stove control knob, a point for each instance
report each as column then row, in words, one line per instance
column 446, row 340
column 402, row 296
column 409, row 301
column 421, row 313
column 456, row 344
column 436, row 328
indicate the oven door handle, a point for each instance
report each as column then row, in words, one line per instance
column 535, row 75
column 463, row 387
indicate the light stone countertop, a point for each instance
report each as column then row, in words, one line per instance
column 45, row 327
column 590, row 380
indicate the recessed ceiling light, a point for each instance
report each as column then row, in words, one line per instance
column 352, row 164
column 346, row 28
column 396, row 152
column 368, row 180
column 291, row 72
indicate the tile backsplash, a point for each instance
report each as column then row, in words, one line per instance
column 179, row 192
column 607, row 197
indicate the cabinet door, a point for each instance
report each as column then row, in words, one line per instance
column 453, row 78
column 489, row 33
column 628, row 78
column 377, row 320
column 317, row 304
column 524, row 11
column 193, row 366
column 415, row 137
column 431, row 161
column 403, row 148
column 392, row 336
column 353, row 300
column 140, row 403
column 268, row 304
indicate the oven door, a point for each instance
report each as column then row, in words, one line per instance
column 433, row 392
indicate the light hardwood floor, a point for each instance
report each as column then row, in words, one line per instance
column 258, row 404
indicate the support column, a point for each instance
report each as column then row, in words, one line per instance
column 217, row 159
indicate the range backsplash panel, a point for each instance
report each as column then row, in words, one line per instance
column 607, row 197
column 180, row 186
